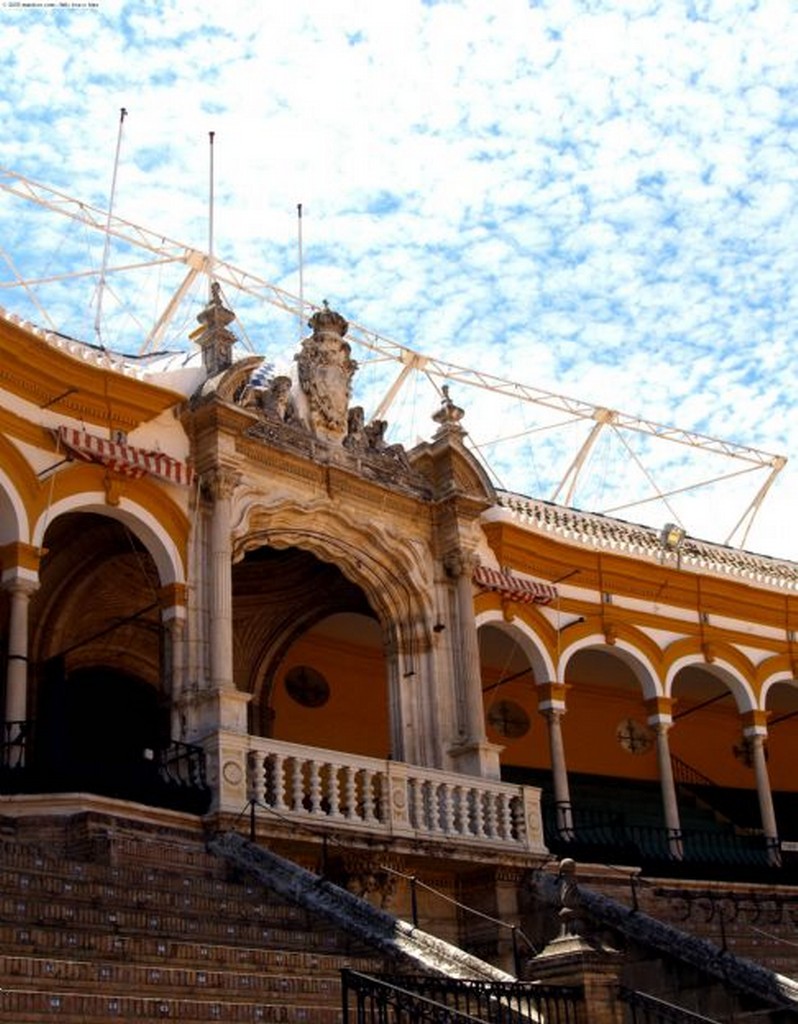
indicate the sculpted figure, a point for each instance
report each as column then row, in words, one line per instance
column 275, row 400
column 356, row 439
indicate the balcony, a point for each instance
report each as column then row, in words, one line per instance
column 331, row 790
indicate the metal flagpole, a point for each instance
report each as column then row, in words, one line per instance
column 301, row 272
column 106, row 249
column 210, row 217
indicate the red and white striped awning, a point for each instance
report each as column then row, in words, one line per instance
column 124, row 458
column 513, row 588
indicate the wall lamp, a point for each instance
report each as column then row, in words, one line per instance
column 672, row 537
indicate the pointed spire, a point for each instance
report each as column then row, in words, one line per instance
column 449, row 414
column 213, row 337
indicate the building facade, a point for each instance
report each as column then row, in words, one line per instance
column 219, row 589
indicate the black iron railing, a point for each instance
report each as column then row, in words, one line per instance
column 404, row 999
column 16, row 741
column 645, row 1009
column 608, row 837
column 171, row 776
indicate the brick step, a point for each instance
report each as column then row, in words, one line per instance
column 236, row 901
column 90, row 976
column 158, row 950
column 24, row 1005
column 98, row 920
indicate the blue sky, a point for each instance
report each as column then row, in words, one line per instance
column 594, row 198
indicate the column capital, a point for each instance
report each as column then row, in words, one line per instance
column 551, row 697
column 173, row 599
column 755, row 723
column 220, row 481
column 660, row 710
column 19, row 559
column 459, row 563
column 20, row 585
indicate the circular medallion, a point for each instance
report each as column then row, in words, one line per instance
column 508, row 719
column 633, row 736
column 232, row 773
column 307, row 686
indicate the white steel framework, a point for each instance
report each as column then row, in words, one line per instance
column 165, row 251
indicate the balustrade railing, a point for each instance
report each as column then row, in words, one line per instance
column 391, row 797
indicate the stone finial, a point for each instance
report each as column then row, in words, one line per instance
column 449, row 414
column 213, row 336
column 327, row 321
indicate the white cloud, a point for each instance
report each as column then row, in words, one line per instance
column 594, row 197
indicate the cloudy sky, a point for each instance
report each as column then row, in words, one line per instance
column 596, row 198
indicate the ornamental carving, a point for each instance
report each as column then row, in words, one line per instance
column 325, row 368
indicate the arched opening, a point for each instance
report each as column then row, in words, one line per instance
column 98, row 730
column 510, row 701
column 781, row 702
column 605, row 729
column 98, row 707
column 713, row 766
column 310, row 649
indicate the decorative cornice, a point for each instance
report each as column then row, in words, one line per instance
column 613, row 535
column 77, row 380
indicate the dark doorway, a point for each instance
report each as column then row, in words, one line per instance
column 99, row 730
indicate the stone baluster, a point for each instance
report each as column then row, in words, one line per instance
column 277, row 762
column 297, row 784
column 350, row 792
column 367, row 779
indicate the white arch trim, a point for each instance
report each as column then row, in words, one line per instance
column 727, row 673
column 630, row 655
column 18, row 529
column 526, row 638
column 142, row 523
column 782, row 676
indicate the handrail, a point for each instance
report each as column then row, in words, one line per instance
column 659, row 1011
column 326, row 837
column 408, row 1007
column 428, row 998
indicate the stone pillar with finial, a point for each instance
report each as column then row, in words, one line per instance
column 214, row 336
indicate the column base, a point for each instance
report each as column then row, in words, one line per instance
column 204, row 712
column 479, row 758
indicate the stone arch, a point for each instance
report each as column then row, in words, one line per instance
column 396, row 582
column 394, row 577
column 14, row 524
column 778, row 669
column 724, row 662
column 527, row 639
column 140, row 521
column 630, row 646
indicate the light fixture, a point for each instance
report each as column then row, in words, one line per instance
column 672, row 537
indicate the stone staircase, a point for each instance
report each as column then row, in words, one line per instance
column 136, row 925
column 757, row 922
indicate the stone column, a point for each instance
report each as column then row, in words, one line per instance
column 755, row 732
column 475, row 755
column 220, row 707
column 660, row 719
column 20, row 589
column 173, row 617
column 221, row 483
column 551, row 704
